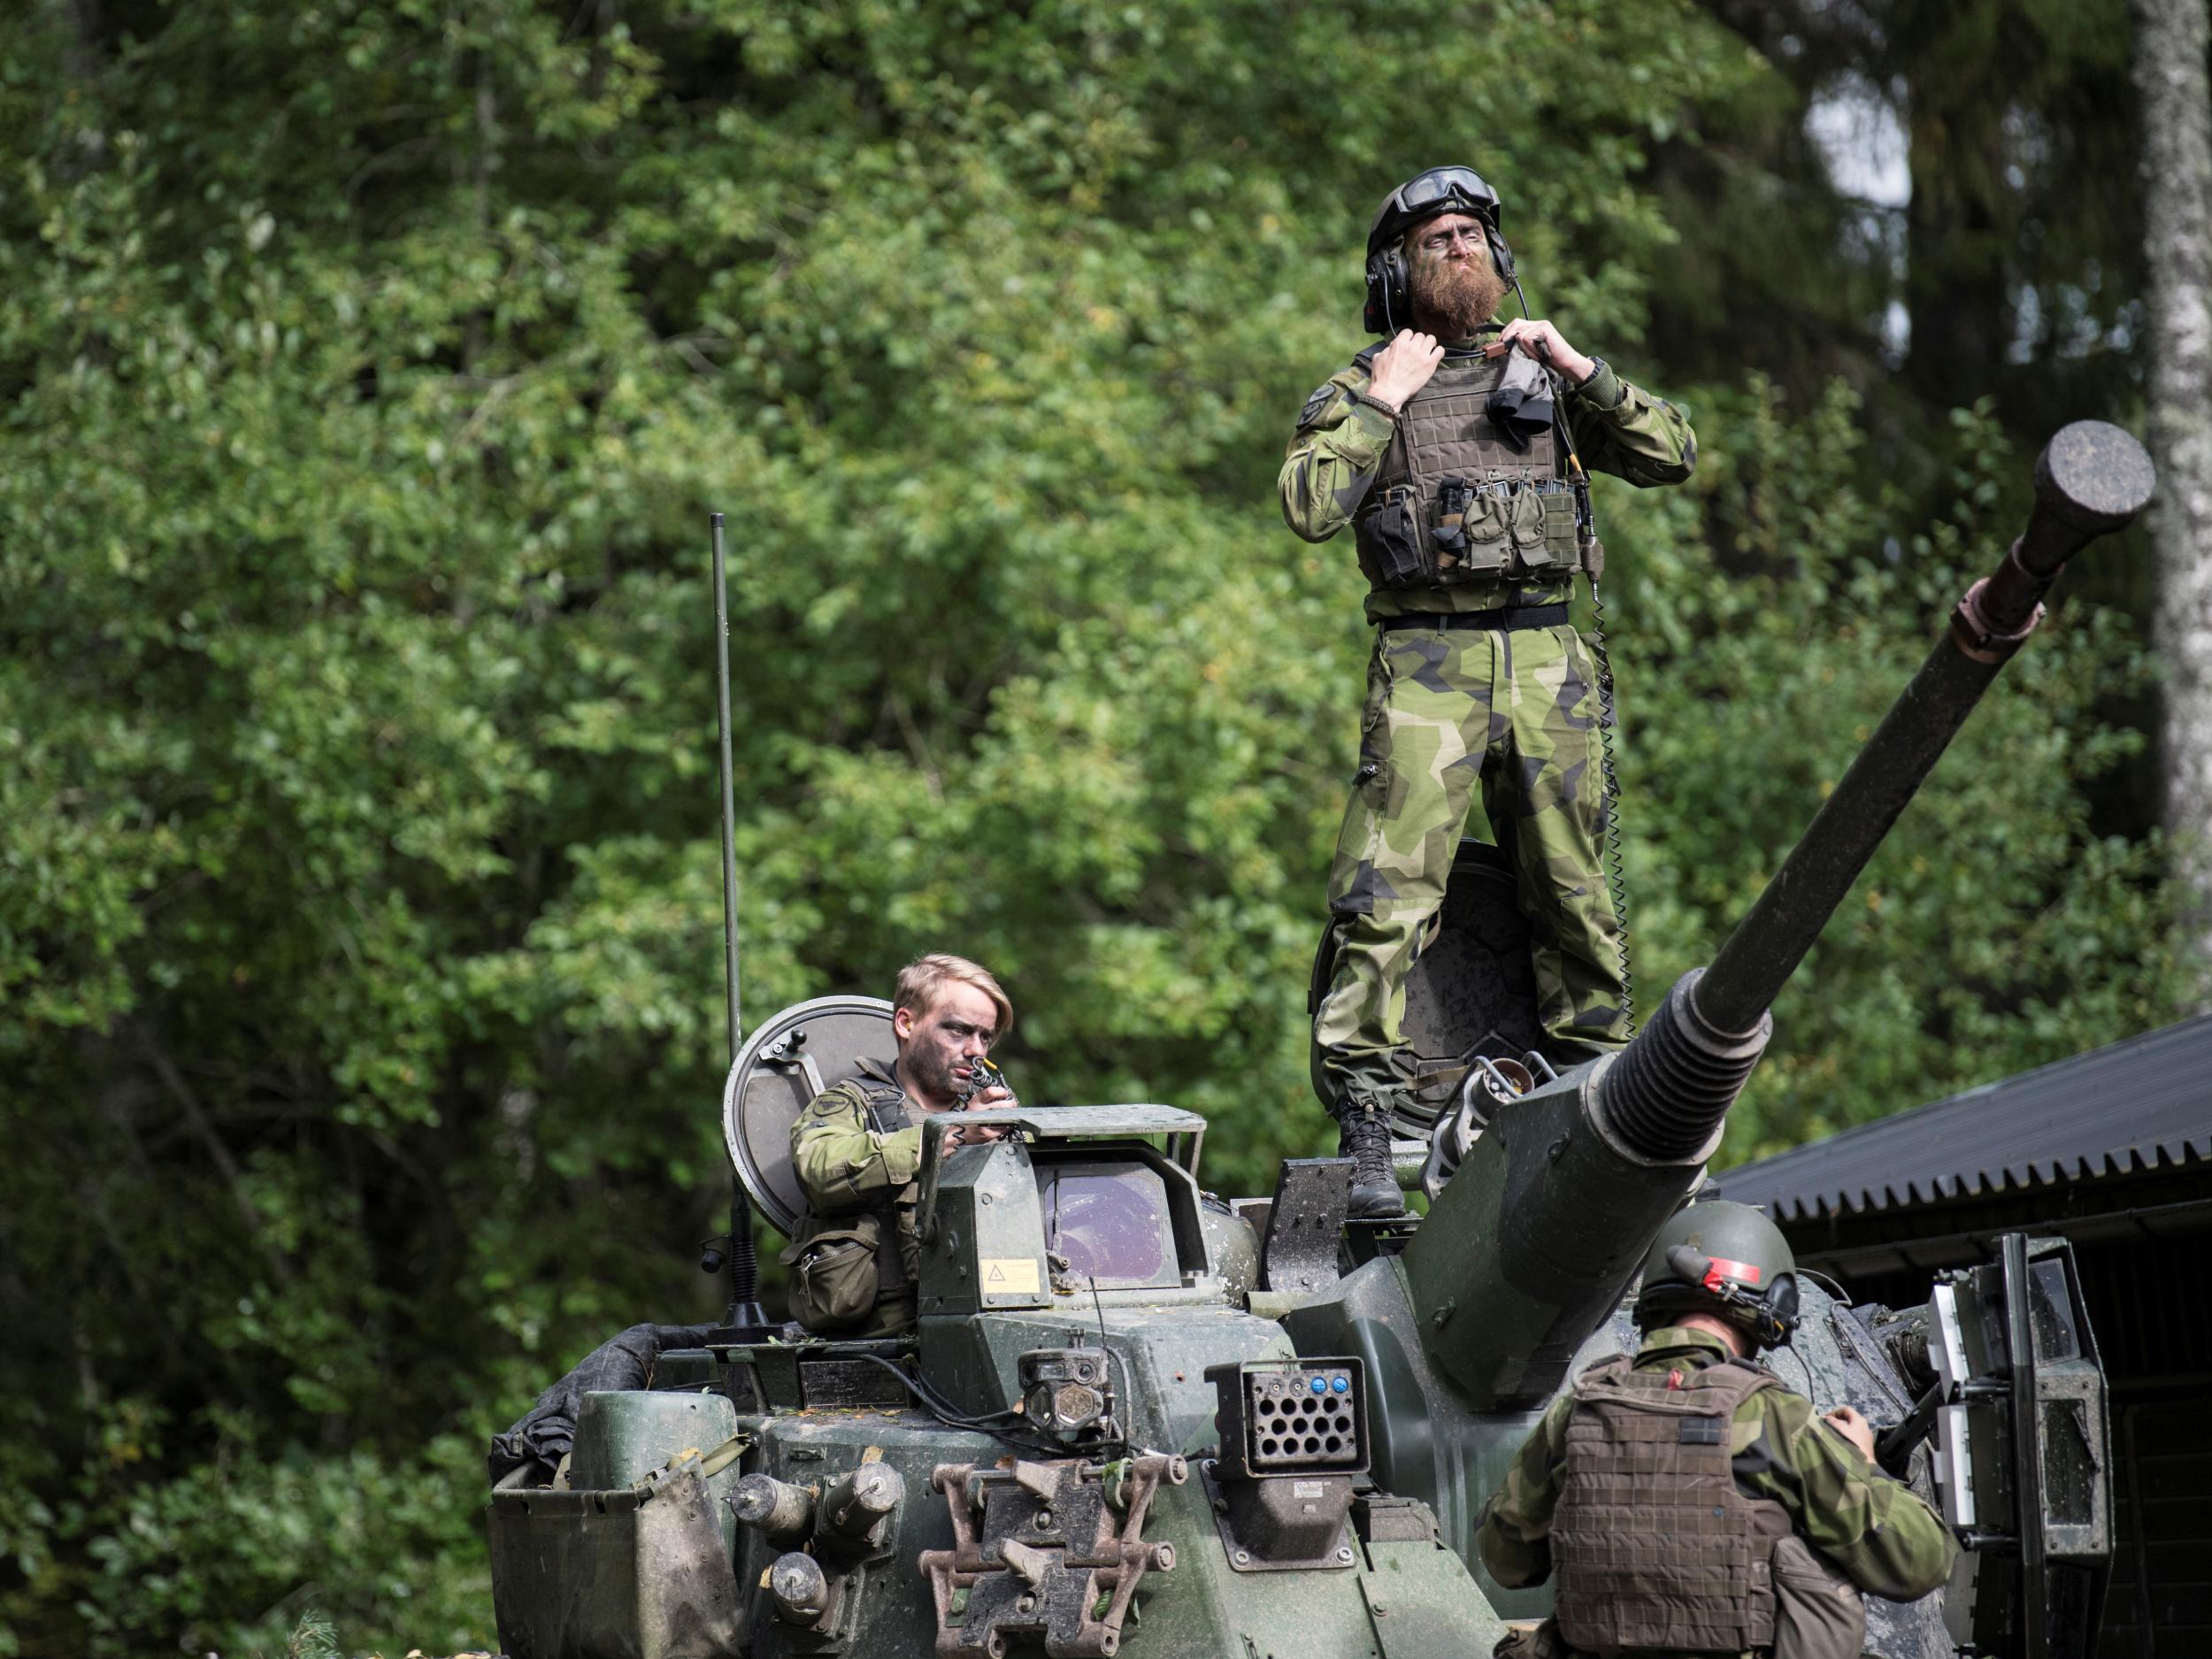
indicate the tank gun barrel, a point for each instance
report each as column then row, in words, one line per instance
column 2091, row 478
column 1560, row 1198
column 1678, row 1080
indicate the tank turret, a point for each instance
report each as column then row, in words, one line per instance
column 1135, row 1418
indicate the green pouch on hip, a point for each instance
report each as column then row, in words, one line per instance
column 1819, row 1613
column 835, row 1277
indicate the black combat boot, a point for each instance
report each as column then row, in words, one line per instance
column 1364, row 1136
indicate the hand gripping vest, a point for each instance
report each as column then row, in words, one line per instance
column 1455, row 501
column 1652, row 1544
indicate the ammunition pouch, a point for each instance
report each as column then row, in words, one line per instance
column 1468, row 530
column 843, row 1269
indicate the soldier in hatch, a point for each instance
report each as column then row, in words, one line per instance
column 1685, row 1500
column 1454, row 448
column 855, row 1147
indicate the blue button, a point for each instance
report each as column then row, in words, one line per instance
column 1319, row 1384
column 1342, row 1385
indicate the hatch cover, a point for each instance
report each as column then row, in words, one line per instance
column 786, row 1062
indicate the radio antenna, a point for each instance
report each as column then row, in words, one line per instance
column 745, row 1308
column 729, row 787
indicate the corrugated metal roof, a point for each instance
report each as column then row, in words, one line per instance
column 2142, row 1104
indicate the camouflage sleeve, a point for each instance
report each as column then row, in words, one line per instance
column 1516, row 1532
column 1333, row 456
column 1879, row 1531
column 1620, row 430
column 844, row 1165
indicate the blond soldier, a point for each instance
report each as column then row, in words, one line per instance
column 1455, row 459
column 856, row 1145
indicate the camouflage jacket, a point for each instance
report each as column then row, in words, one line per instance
column 1339, row 447
column 1878, row 1533
column 847, row 1164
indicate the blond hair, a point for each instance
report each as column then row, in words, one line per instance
column 923, row 980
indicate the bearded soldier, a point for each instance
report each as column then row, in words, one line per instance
column 1456, row 449
column 856, row 1147
column 1685, row 1502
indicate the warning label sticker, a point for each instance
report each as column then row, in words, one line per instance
column 1010, row 1273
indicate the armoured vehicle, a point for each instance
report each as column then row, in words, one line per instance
column 1134, row 1414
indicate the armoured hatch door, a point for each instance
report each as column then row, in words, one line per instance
column 786, row 1062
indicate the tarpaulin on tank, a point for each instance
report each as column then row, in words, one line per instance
column 542, row 1437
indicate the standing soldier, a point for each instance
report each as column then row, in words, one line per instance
column 1458, row 462
column 858, row 1145
column 1685, row 1500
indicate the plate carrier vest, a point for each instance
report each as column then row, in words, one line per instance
column 1454, row 501
column 885, row 1104
column 1652, row 1545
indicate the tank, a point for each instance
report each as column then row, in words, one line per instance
column 1136, row 1414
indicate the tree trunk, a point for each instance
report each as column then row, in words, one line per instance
column 2172, row 37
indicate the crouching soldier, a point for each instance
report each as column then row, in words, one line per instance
column 1685, row 1502
column 856, row 1148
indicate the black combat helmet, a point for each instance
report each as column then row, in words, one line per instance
column 1723, row 1259
column 1422, row 196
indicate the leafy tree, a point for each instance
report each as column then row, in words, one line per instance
column 368, row 372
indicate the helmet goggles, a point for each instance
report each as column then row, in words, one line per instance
column 1426, row 195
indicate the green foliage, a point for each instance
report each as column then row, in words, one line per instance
column 292, row 1553
column 314, row 1637
column 1996, row 930
column 369, row 371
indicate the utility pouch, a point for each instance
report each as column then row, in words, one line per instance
column 834, row 1275
column 1394, row 544
column 1544, row 530
column 1561, row 534
column 1819, row 1613
column 1473, row 531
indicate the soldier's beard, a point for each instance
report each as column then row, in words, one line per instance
column 1454, row 298
column 929, row 1072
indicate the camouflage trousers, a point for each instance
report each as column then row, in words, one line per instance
column 1518, row 712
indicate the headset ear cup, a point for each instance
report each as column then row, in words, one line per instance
column 1501, row 254
column 1780, row 1311
column 1386, row 305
